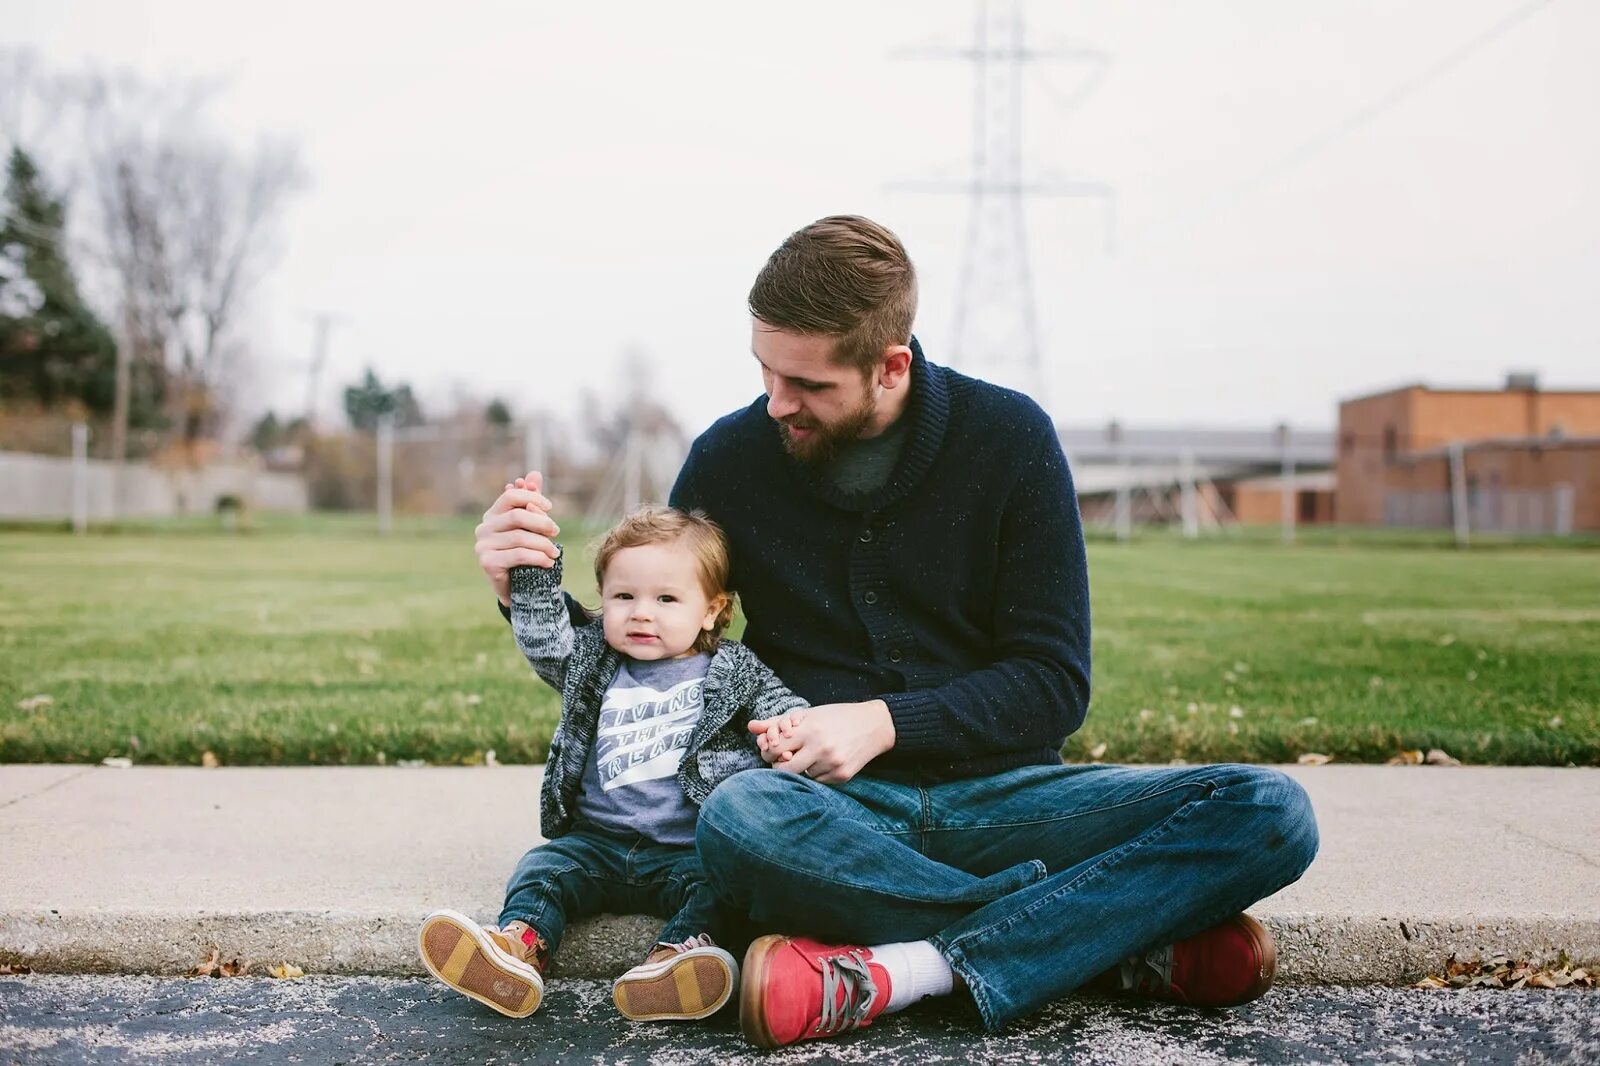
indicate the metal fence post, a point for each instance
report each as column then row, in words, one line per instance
column 385, row 472
column 80, row 477
column 1458, row 494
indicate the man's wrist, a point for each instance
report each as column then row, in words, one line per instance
column 886, row 735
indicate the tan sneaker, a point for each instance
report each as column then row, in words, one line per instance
column 481, row 962
column 677, row 982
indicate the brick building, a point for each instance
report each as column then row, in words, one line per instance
column 1530, row 458
column 1258, row 501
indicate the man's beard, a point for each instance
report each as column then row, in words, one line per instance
column 827, row 438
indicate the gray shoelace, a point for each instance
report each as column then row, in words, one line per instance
column 1137, row 969
column 847, row 973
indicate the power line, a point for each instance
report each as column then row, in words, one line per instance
column 1369, row 113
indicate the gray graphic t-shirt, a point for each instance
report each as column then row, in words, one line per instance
column 630, row 783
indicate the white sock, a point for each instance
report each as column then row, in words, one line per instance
column 916, row 971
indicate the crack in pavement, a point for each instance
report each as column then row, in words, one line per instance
column 47, row 788
column 1587, row 860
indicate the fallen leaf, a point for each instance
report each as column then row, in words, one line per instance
column 1097, row 751
column 1502, row 972
column 287, row 971
column 411, row 764
column 1314, row 758
column 1406, row 758
column 213, row 966
column 209, row 760
column 121, row 762
column 1235, row 712
column 489, row 759
column 1555, row 723
column 14, row 969
column 35, row 703
column 1307, row 721
column 1439, row 757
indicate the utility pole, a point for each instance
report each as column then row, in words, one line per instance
column 1123, row 514
column 996, row 323
column 322, row 323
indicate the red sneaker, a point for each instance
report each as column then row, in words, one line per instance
column 1223, row 966
column 797, row 989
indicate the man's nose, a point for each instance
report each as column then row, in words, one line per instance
column 781, row 403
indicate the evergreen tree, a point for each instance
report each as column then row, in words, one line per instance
column 52, row 347
column 368, row 400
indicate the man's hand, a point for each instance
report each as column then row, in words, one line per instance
column 516, row 531
column 830, row 743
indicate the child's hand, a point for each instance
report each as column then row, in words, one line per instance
column 533, row 483
column 770, row 731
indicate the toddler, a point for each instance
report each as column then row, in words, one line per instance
column 654, row 714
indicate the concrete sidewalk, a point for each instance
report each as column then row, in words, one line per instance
column 144, row 870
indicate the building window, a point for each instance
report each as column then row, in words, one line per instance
column 1347, row 442
column 1390, row 442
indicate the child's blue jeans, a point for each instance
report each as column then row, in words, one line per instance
column 587, row 872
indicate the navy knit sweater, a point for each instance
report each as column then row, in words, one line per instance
column 957, row 592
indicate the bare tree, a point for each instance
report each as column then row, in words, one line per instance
column 189, row 225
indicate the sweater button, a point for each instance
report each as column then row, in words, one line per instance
column 866, row 536
column 870, row 598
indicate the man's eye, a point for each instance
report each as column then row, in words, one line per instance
column 811, row 386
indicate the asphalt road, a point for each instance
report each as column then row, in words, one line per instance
column 54, row 1019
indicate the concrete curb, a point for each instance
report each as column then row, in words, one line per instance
column 1312, row 948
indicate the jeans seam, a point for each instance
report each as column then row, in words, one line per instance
column 813, row 873
column 1211, row 786
column 1095, row 871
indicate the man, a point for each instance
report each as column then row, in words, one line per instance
column 907, row 547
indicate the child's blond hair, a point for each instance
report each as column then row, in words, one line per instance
column 702, row 536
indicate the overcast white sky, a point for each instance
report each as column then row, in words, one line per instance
column 505, row 196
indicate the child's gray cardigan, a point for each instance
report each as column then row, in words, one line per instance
column 578, row 663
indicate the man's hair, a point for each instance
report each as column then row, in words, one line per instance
column 665, row 525
column 843, row 276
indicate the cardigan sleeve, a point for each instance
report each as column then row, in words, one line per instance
column 540, row 621
column 1035, row 692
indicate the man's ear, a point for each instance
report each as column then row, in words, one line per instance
column 895, row 370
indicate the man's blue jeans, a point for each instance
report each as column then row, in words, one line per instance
column 1029, row 882
column 587, row 872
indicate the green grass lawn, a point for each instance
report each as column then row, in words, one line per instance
column 314, row 641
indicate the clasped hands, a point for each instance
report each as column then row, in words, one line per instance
column 830, row 743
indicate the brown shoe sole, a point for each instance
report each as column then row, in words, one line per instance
column 686, row 987
column 752, row 1017
column 458, row 952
